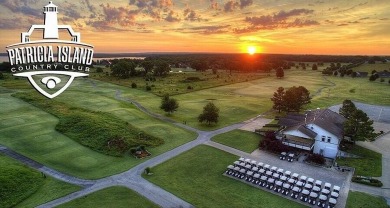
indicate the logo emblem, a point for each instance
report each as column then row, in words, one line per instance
column 50, row 59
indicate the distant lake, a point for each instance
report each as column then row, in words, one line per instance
column 5, row 58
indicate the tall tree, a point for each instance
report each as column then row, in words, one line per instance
column 347, row 109
column 295, row 98
column 123, row 69
column 279, row 73
column 359, row 126
column 162, row 68
column 278, row 99
column 148, row 66
column 314, row 67
column 210, row 114
column 168, row 104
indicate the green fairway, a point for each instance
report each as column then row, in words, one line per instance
column 366, row 67
column 196, row 177
column 370, row 163
column 30, row 131
column 356, row 89
column 113, row 197
column 243, row 140
column 363, row 200
column 21, row 186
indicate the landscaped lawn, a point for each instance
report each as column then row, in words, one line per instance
column 243, row 140
column 21, row 186
column 196, row 177
column 111, row 197
column 30, row 131
column 363, row 200
column 369, row 165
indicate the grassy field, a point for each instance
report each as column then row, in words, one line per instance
column 118, row 197
column 30, row 131
column 369, row 165
column 22, row 186
column 362, row 200
column 196, row 177
column 243, row 140
column 178, row 82
column 378, row 66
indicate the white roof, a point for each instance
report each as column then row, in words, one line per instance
column 249, row 173
column 299, row 183
column 242, row 164
column 260, row 164
column 254, row 162
column 261, row 170
column 242, row 171
column 310, row 180
column 334, row 194
column 263, row 178
column 323, row 197
column 283, row 178
column 332, row 201
column 303, row 178
column 280, row 170
column 305, row 192
column 283, row 153
column 337, row 188
column 230, row 166
column 248, row 166
column 328, row 185
column 255, row 168
column 286, row 185
column 296, row 189
column 237, row 168
column 275, row 175
column 241, row 159
column 308, row 186
column 316, row 188
column 266, row 166
column 291, row 155
column 318, row 182
column 268, row 173
column 248, row 160
column 278, row 183
column 236, row 162
column 274, row 168
column 256, row 175
column 271, row 180
column 295, row 175
column 287, row 172
column 291, row 180
column 313, row 194
column 325, row 191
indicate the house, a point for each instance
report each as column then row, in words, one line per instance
column 319, row 131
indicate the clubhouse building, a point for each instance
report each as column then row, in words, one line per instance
column 319, row 131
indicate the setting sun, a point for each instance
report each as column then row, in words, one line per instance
column 251, row 50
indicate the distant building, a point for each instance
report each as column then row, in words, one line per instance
column 361, row 74
column 383, row 74
column 319, row 131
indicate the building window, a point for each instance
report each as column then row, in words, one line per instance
column 323, row 138
column 328, row 140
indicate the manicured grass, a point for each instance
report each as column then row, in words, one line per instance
column 50, row 190
column 243, row 140
column 30, row 131
column 97, row 130
column 369, row 165
column 111, row 197
column 378, row 66
column 362, row 200
column 177, row 82
column 196, row 177
column 22, row 186
column 357, row 89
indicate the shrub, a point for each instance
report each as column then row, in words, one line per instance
column 367, row 181
column 133, row 85
column 148, row 88
column 189, row 87
column 316, row 158
column 99, row 69
column 1, row 75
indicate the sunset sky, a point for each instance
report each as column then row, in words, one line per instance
column 230, row 26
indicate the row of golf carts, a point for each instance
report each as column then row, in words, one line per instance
column 306, row 189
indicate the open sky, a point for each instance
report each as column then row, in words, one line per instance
column 230, row 26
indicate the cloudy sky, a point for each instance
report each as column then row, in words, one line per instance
column 272, row 26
